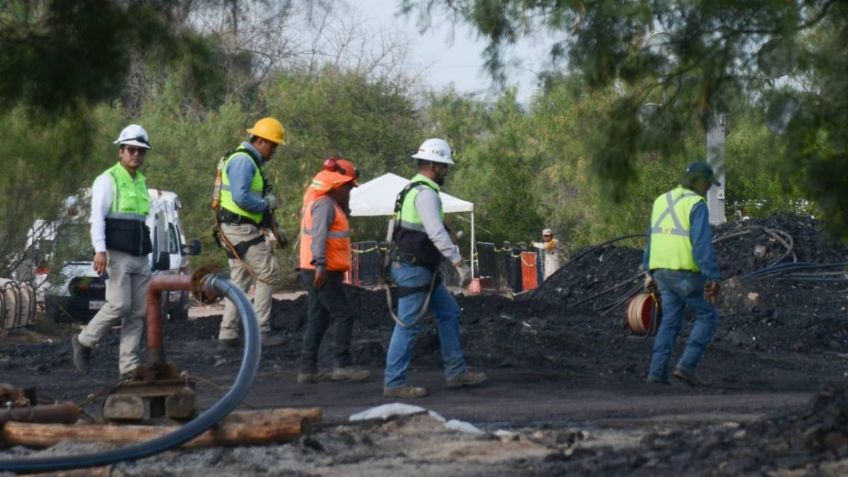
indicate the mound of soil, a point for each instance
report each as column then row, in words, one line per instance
column 806, row 443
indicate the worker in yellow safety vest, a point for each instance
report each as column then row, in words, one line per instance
column 324, row 259
column 680, row 263
column 244, row 215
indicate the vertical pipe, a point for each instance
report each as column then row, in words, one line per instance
column 229, row 402
column 155, row 351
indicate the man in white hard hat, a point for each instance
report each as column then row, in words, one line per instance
column 121, row 241
column 550, row 247
column 420, row 242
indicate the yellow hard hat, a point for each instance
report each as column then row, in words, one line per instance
column 270, row 129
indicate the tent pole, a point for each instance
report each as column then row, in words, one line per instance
column 473, row 243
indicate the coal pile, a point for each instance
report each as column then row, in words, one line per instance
column 806, row 442
column 600, row 279
column 787, row 320
column 580, row 310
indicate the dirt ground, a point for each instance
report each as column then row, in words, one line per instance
column 565, row 394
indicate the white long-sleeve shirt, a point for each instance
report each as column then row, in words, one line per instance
column 429, row 206
column 102, row 193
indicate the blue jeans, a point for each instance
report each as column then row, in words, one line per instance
column 442, row 304
column 679, row 289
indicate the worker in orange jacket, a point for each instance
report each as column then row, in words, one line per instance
column 324, row 258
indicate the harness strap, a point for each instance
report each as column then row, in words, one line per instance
column 241, row 248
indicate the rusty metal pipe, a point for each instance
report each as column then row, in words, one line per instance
column 66, row 412
column 155, row 352
column 208, row 285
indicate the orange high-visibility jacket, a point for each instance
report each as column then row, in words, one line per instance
column 338, row 240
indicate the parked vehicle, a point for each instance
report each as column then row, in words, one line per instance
column 71, row 289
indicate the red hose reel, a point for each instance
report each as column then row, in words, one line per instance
column 643, row 314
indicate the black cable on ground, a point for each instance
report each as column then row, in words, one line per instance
column 224, row 406
column 532, row 293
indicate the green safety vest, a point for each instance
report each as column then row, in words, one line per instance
column 131, row 199
column 409, row 235
column 257, row 185
column 671, row 245
column 408, row 217
column 126, row 230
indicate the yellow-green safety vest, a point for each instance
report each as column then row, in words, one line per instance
column 410, row 236
column 671, row 245
column 257, row 185
column 131, row 200
column 408, row 217
column 126, row 230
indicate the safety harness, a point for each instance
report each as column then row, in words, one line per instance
column 394, row 253
column 237, row 251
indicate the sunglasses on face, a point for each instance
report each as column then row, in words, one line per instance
column 131, row 150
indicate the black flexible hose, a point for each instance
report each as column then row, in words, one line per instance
column 192, row 429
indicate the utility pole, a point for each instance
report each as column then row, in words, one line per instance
column 715, row 158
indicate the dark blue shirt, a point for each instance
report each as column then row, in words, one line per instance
column 240, row 170
column 702, row 245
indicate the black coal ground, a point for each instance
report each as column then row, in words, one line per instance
column 774, row 334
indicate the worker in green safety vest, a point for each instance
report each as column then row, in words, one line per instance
column 245, row 203
column 680, row 263
column 121, row 241
column 420, row 242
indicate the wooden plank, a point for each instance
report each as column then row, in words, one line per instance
column 239, row 428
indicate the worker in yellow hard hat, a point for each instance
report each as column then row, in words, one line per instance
column 244, row 215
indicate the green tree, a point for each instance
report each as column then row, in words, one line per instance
column 708, row 52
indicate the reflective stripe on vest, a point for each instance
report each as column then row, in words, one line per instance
column 257, row 185
column 671, row 245
column 338, row 239
column 131, row 200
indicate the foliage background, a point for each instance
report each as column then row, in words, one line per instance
column 577, row 157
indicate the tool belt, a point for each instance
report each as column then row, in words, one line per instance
column 227, row 217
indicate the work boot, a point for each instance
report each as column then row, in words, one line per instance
column 655, row 380
column 225, row 344
column 82, row 355
column 350, row 373
column 404, row 392
column 311, row 377
column 129, row 375
column 689, row 377
column 468, row 378
column 269, row 341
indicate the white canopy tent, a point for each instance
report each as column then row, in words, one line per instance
column 377, row 198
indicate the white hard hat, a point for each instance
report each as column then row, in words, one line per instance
column 547, row 232
column 434, row 150
column 133, row 135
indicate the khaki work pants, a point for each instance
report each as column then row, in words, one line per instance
column 260, row 259
column 126, row 301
